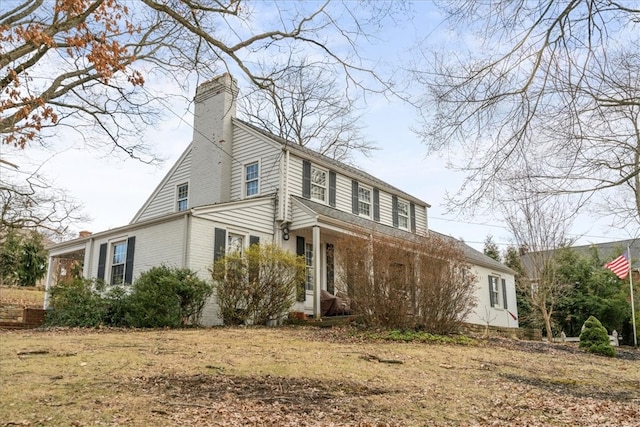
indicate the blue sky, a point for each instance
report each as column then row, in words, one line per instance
column 112, row 187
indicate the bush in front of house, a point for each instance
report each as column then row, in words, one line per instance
column 595, row 339
column 257, row 285
column 166, row 297
column 160, row 297
column 423, row 285
column 77, row 303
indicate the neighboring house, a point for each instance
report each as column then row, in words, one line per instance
column 607, row 251
column 235, row 185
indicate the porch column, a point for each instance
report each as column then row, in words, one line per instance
column 47, row 284
column 317, row 272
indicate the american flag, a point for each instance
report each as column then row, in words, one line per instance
column 620, row 266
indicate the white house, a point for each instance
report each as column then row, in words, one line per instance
column 235, row 185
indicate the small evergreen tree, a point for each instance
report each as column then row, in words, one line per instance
column 491, row 248
column 594, row 338
column 23, row 260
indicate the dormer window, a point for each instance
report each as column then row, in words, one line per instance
column 251, row 179
column 403, row 215
column 182, row 197
column 364, row 201
column 318, row 184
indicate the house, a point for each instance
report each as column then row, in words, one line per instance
column 236, row 185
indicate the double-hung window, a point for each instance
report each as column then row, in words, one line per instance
column 498, row 291
column 318, row 184
column 118, row 262
column 251, row 179
column 182, row 197
column 235, row 243
column 364, row 201
column 308, row 259
column 403, row 214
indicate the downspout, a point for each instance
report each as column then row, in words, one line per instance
column 186, row 239
column 317, row 272
column 47, row 286
column 88, row 260
column 285, row 190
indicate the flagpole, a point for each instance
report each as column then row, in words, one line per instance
column 633, row 309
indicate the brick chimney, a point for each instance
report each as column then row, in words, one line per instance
column 215, row 106
column 84, row 233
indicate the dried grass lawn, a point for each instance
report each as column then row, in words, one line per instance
column 295, row 376
column 21, row 296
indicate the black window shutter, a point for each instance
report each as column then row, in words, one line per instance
column 219, row 243
column 299, row 245
column 306, row 179
column 300, row 294
column 412, row 212
column 128, row 268
column 376, row 204
column 254, row 240
column 491, row 297
column 394, row 210
column 332, row 189
column 354, row 197
column 330, row 268
column 102, row 260
column 504, row 293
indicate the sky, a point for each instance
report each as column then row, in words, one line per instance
column 112, row 187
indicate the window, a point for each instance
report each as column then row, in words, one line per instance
column 251, row 179
column 308, row 259
column 118, row 263
column 318, row 184
column 403, row 214
column 364, row 201
column 183, row 197
column 498, row 291
column 235, row 243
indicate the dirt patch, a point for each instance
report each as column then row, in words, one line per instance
column 277, row 399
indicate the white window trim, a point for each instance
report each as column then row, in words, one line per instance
column 244, row 177
column 370, row 190
column 110, row 264
column 499, row 302
column 408, row 216
column 308, row 282
column 231, row 234
column 326, row 184
column 177, row 199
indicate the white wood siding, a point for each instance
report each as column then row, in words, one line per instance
column 249, row 148
column 421, row 219
column 343, row 193
column 295, row 181
column 254, row 215
column 386, row 209
column 483, row 312
column 164, row 199
column 156, row 244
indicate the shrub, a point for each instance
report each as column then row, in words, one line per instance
column 594, row 338
column 77, row 303
column 166, row 297
column 161, row 297
column 257, row 285
column 425, row 284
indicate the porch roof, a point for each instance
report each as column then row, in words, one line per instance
column 326, row 214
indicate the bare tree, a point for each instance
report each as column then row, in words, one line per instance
column 539, row 225
column 307, row 106
column 79, row 67
column 102, row 52
column 550, row 88
column 29, row 202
